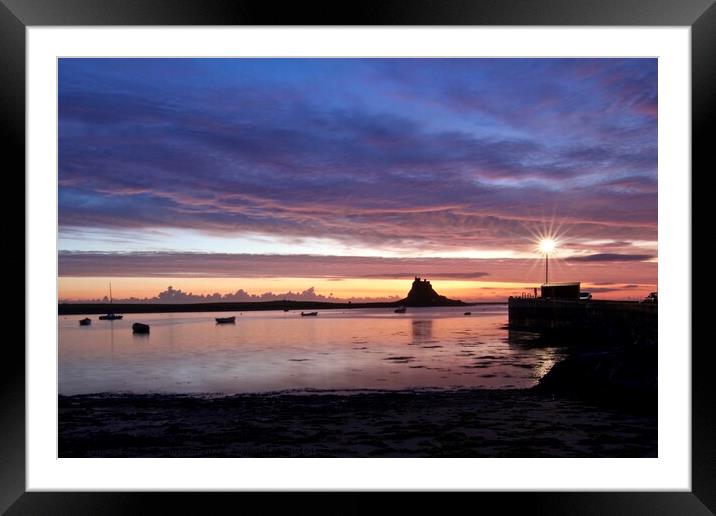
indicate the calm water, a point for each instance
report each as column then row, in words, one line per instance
column 269, row 351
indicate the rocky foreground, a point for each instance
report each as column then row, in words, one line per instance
column 482, row 423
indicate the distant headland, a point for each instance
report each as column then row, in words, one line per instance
column 421, row 294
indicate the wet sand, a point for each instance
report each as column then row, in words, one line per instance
column 463, row 423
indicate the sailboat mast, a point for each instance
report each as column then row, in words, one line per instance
column 110, row 292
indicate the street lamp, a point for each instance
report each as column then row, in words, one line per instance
column 546, row 246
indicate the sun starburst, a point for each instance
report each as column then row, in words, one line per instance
column 547, row 245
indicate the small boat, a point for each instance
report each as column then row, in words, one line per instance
column 467, row 313
column 85, row 322
column 305, row 314
column 285, row 309
column 226, row 320
column 110, row 317
column 400, row 310
column 138, row 327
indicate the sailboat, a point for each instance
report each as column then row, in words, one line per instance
column 110, row 316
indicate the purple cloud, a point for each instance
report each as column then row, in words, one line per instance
column 224, row 265
column 424, row 154
column 611, row 257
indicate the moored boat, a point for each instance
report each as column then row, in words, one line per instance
column 110, row 316
column 400, row 310
column 467, row 313
column 305, row 314
column 85, row 322
column 226, row 320
column 138, row 327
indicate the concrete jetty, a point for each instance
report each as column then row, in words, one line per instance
column 586, row 318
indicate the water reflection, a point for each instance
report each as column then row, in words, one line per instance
column 266, row 351
column 422, row 331
column 534, row 349
column 111, row 339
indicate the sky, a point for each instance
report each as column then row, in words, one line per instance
column 344, row 178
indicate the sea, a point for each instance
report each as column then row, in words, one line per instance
column 352, row 350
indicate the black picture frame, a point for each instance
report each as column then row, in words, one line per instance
column 700, row 15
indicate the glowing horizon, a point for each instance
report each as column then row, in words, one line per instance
column 94, row 289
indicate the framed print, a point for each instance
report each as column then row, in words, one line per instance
column 411, row 249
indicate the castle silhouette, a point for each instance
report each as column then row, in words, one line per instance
column 422, row 293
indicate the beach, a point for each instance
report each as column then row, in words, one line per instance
column 461, row 423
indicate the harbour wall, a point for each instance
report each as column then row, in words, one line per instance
column 623, row 320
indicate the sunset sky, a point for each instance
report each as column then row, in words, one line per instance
column 344, row 178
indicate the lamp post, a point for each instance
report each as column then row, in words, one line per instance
column 546, row 268
column 546, row 245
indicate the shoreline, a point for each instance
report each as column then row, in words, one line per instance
column 252, row 306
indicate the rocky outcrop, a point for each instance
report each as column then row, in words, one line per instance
column 423, row 294
column 624, row 376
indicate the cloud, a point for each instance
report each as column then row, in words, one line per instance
column 603, row 290
column 611, row 257
column 415, row 154
column 434, row 276
column 614, row 287
column 224, row 265
column 163, row 264
column 177, row 296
